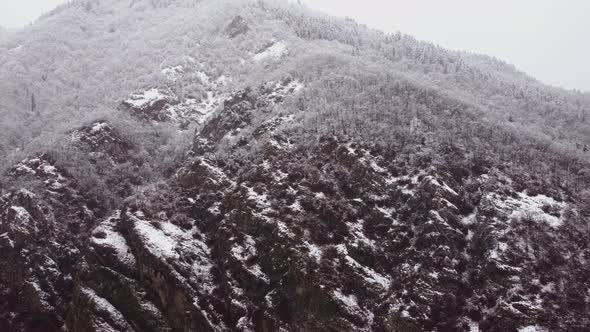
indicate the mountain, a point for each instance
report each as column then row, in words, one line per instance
column 238, row 165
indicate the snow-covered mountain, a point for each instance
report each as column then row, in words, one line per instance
column 243, row 165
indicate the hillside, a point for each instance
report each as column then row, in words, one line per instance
column 237, row 165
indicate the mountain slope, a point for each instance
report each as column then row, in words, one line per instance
column 255, row 166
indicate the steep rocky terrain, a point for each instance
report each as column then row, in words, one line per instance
column 288, row 172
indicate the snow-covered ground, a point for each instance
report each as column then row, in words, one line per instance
column 166, row 241
column 282, row 90
column 44, row 169
column 539, row 208
column 276, row 50
column 533, row 328
column 179, row 110
column 195, row 111
column 173, row 73
column 105, row 235
column 103, row 305
column 371, row 275
column 146, row 98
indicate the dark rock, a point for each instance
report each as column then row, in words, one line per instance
column 238, row 26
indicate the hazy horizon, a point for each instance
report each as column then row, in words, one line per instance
column 540, row 37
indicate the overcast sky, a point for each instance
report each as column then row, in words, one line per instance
column 549, row 39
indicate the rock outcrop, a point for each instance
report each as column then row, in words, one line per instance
column 238, row 26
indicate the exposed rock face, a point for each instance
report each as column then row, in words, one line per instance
column 164, row 105
column 239, row 108
column 59, row 190
column 101, row 140
column 238, row 26
column 356, row 246
column 110, row 286
column 151, row 104
column 43, row 233
column 36, row 263
column 41, row 168
column 271, row 50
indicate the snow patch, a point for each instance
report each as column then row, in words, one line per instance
column 356, row 229
column 245, row 251
column 387, row 212
column 156, row 241
column 6, row 238
column 173, row 73
column 203, row 77
column 146, row 98
column 102, row 304
column 40, row 167
column 296, row 206
column 192, row 110
column 284, row 230
column 16, row 49
column 215, row 209
column 539, row 208
column 320, row 195
column 469, row 220
column 276, row 50
column 281, row 90
column 314, row 251
column 98, row 127
column 256, row 271
column 181, row 248
column 533, row 328
column 534, row 207
column 279, row 176
column 349, row 301
column 371, row 275
column 261, row 200
column 473, row 326
column 376, row 167
column 21, row 214
column 105, row 235
column 549, row 288
column 280, row 145
column 217, row 173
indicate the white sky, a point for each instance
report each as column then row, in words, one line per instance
column 549, row 39
column 18, row 13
